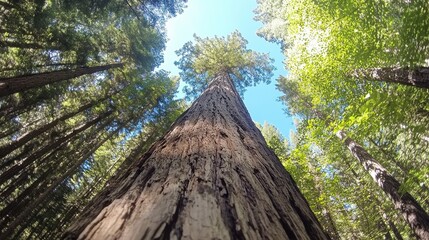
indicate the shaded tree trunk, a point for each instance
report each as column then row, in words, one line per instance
column 410, row 209
column 327, row 221
column 418, row 77
column 392, row 227
column 15, row 169
column 25, row 212
column 21, row 140
column 211, row 176
column 22, row 83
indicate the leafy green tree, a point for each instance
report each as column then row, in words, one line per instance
column 207, row 57
column 67, row 145
column 414, row 214
column 331, row 48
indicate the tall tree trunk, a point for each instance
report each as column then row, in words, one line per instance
column 22, row 83
column 418, row 77
column 26, row 211
column 327, row 221
column 392, row 227
column 410, row 209
column 21, row 140
column 211, row 176
column 15, row 169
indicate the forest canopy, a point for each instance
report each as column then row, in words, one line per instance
column 203, row 60
column 355, row 67
column 80, row 99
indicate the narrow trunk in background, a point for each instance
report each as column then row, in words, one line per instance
column 24, row 138
column 327, row 220
column 418, row 77
column 20, row 164
column 25, row 212
column 21, row 83
column 410, row 209
column 211, row 176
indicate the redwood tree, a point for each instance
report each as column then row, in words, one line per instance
column 22, row 83
column 212, row 175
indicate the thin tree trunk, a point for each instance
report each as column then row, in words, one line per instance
column 410, row 209
column 26, row 211
column 392, row 227
column 6, row 175
column 22, row 83
column 26, row 196
column 418, row 77
column 212, row 176
column 5, row 150
column 423, row 191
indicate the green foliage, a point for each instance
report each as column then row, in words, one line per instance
column 207, row 57
column 83, row 129
column 274, row 140
column 39, row 36
column 324, row 42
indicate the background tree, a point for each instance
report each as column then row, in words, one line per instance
column 332, row 49
column 53, row 137
column 201, row 61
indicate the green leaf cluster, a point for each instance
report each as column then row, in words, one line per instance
column 206, row 58
column 60, row 143
column 324, row 42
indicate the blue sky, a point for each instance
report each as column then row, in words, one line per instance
column 207, row 18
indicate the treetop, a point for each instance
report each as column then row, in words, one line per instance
column 202, row 60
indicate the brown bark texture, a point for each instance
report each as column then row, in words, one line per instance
column 211, row 176
column 21, row 83
column 410, row 209
column 418, row 77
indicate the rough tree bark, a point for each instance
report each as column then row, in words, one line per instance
column 418, row 77
column 22, row 83
column 211, row 176
column 410, row 209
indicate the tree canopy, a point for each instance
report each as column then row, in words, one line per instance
column 341, row 58
column 202, row 60
column 80, row 98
